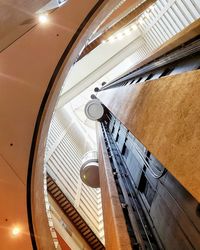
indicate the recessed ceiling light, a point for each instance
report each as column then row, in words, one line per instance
column 111, row 39
column 43, row 18
column 127, row 31
column 120, row 36
column 15, row 231
column 134, row 26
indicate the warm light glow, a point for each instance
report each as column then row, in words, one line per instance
column 134, row 27
column 141, row 21
column 151, row 7
column 120, row 36
column 43, row 18
column 127, row 32
column 111, row 39
column 15, row 231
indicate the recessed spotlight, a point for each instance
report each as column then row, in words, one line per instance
column 15, row 231
column 141, row 21
column 127, row 32
column 43, row 18
column 151, row 8
column 120, row 36
column 134, row 27
column 111, row 39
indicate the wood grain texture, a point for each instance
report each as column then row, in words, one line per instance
column 116, row 235
column 164, row 115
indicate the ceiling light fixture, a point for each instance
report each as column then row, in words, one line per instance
column 43, row 18
column 134, row 27
column 111, row 39
column 152, row 7
column 15, row 231
column 141, row 21
column 127, row 32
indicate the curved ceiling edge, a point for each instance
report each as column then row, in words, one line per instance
column 36, row 140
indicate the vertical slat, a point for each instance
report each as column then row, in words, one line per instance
column 191, row 9
column 196, row 5
column 166, row 19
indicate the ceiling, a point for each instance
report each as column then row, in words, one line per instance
column 16, row 18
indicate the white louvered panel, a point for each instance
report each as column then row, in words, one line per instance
column 168, row 25
column 177, row 23
column 154, row 36
column 165, row 28
column 60, row 180
column 67, row 158
column 86, row 195
column 63, row 170
column 71, row 152
column 55, row 130
column 151, row 43
column 166, row 19
column 68, row 165
column 72, row 157
column 69, row 142
column 66, row 171
column 182, row 8
column 62, row 177
column 191, row 9
column 90, row 211
column 160, row 32
column 181, row 14
column 157, row 14
column 143, row 53
column 88, row 191
column 196, row 5
column 146, row 50
column 90, row 216
column 63, row 164
column 92, row 205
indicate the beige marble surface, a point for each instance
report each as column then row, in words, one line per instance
column 164, row 115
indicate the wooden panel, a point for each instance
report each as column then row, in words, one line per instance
column 116, row 235
column 164, row 115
